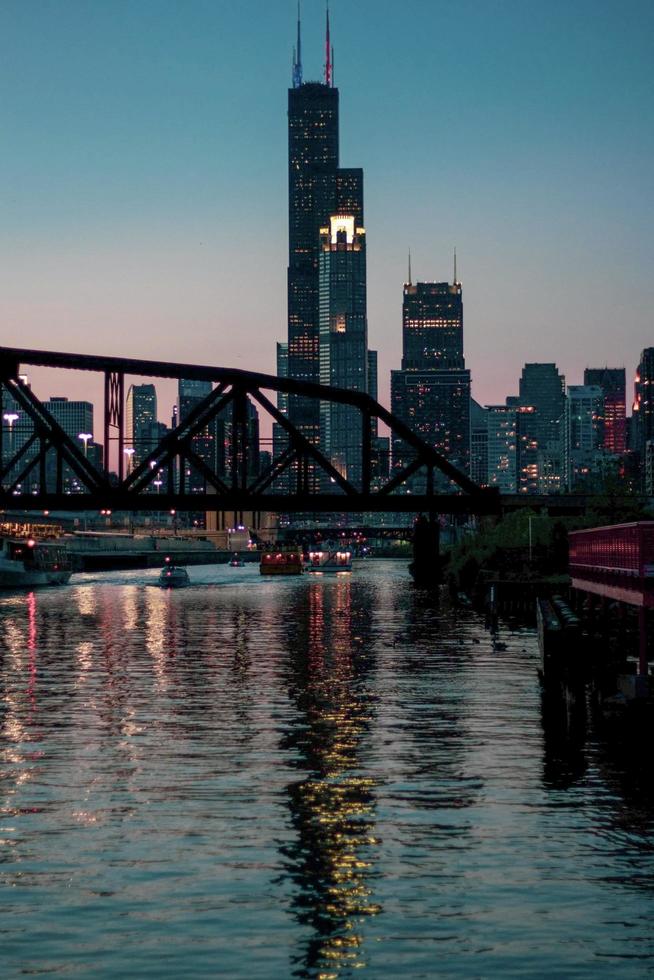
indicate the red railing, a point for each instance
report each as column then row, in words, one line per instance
column 621, row 548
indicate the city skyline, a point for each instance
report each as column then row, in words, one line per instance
column 147, row 173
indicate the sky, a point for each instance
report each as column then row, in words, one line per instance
column 143, row 210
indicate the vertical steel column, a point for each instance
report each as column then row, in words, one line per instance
column 240, row 447
column 366, row 449
column 114, row 404
column 643, row 665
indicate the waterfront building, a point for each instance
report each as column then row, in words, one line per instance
column 431, row 391
column 343, row 340
column 140, row 419
column 614, row 429
column 317, row 189
column 583, row 435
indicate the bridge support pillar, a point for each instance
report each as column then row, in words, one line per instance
column 426, row 565
column 643, row 665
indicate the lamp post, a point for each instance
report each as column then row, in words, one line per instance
column 129, row 452
column 85, row 437
column 10, row 418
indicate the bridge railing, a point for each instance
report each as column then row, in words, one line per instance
column 627, row 549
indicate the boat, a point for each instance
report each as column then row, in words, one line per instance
column 30, row 556
column 236, row 562
column 330, row 561
column 281, row 563
column 173, row 577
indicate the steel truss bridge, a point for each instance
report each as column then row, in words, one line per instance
column 242, row 490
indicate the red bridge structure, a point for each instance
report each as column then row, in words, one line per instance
column 616, row 563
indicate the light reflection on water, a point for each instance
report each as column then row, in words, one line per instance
column 304, row 778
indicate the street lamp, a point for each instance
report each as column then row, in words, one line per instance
column 85, row 437
column 129, row 452
column 10, row 418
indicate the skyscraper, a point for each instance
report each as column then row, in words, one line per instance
column 141, row 416
column 583, row 434
column 614, row 429
column 317, row 189
column 643, row 411
column 75, row 418
column 542, row 392
column 431, row 392
column 190, row 394
column 343, row 339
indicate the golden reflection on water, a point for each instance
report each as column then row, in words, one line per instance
column 334, row 808
column 86, row 599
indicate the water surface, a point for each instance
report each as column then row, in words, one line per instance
column 310, row 777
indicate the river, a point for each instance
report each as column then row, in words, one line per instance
column 323, row 776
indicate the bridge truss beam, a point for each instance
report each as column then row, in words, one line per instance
column 43, row 457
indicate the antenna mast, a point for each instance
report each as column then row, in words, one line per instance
column 297, row 54
column 328, row 54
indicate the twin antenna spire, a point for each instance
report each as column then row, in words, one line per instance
column 297, row 54
column 455, row 280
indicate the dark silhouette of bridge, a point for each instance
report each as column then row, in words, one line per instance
column 43, row 457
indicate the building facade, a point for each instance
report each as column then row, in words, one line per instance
column 318, row 188
column 542, row 395
column 343, row 340
column 583, row 436
column 76, row 419
column 612, row 381
column 431, row 392
column 140, row 419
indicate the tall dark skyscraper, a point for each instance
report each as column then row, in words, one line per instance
column 542, row 398
column 431, row 393
column 343, row 339
column 614, row 427
column 317, row 189
column 643, row 412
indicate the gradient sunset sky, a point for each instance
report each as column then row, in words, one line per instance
column 144, row 174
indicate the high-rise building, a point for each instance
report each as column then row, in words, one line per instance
column 343, row 340
column 76, row 419
column 478, row 443
column 643, row 406
column 317, row 189
column 542, row 392
column 431, row 392
column 140, row 416
column 190, row 394
column 614, row 429
column 502, row 447
column 17, row 429
column 432, row 326
column 583, row 434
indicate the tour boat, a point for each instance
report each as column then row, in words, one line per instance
column 330, row 561
column 26, row 561
column 173, row 577
column 281, row 563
